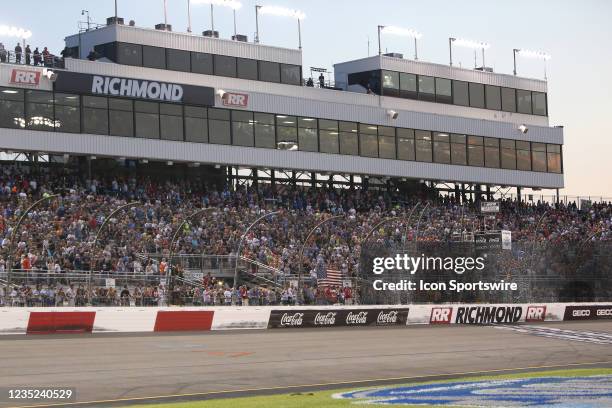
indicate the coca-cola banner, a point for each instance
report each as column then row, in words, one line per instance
column 337, row 317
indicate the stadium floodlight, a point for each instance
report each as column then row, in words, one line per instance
column 233, row 4
column 281, row 12
column 404, row 32
column 462, row 42
column 530, row 54
column 10, row 31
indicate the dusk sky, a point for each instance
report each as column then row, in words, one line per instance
column 575, row 33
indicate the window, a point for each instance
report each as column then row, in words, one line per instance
column 508, row 96
column 264, row 131
column 475, row 151
column 523, row 99
column 493, row 94
column 269, row 71
column 461, row 95
column 368, row 140
column 12, row 111
column 225, row 66
column 405, row 144
column 147, row 119
column 121, row 117
column 242, row 128
column 458, row 149
column 441, row 148
column 553, row 156
column 444, row 90
column 427, row 88
column 491, row 152
column 538, row 157
column 386, row 142
column 477, row 97
column 153, row 57
column 508, row 154
column 129, row 54
column 408, row 85
column 201, row 63
column 219, row 126
column 286, row 128
column 328, row 136
column 307, row 134
column 95, row 115
column 178, row 60
column 390, row 83
column 291, row 74
column 523, row 156
column 171, row 121
column 196, row 125
column 247, row 68
column 539, row 103
column 39, row 110
column 67, row 113
column 423, row 145
column 348, row 138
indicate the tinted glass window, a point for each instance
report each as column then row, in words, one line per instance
column 129, row 54
column 121, row 117
column 368, row 145
column 147, row 119
column 265, row 131
column 349, row 143
column 443, row 90
column 291, row 74
column 491, row 152
column 461, row 94
column 523, row 155
column 523, row 99
column 477, row 97
column 219, row 131
column 196, row 125
column 441, row 147
column 225, row 66
column 269, row 71
column 328, row 140
column 423, row 146
column 243, row 133
column 390, row 83
column 405, row 144
column 427, row 88
column 508, row 96
column 153, row 57
column 493, row 94
column 408, row 85
column 95, row 115
column 539, row 103
column 508, row 154
column 307, row 140
column 67, row 113
column 553, row 158
column 171, row 121
column 247, row 68
column 386, row 147
column 458, row 149
column 178, row 60
column 201, row 63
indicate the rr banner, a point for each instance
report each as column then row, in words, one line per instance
column 280, row 319
column 588, row 312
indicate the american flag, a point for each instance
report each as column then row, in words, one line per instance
column 329, row 277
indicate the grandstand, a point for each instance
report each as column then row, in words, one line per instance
column 185, row 169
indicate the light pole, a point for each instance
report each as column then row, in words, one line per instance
column 14, row 237
column 188, row 16
column 301, row 257
column 175, row 237
column 405, row 32
column 93, row 246
column 83, row 12
column 242, row 240
column 450, row 49
column 282, row 12
column 475, row 45
column 530, row 54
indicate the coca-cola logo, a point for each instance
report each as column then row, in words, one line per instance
column 325, row 319
column 357, row 318
column 387, row 318
column 295, row 319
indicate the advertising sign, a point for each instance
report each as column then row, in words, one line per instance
column 489, row 206
column 337, row 317
column 588, row 312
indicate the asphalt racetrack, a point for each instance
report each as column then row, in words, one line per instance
column 133, row 368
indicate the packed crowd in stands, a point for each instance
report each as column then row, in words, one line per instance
column 57, row 237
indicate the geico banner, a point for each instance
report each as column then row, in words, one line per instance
column 588, row 312
column 330, row 317
column 134, row 88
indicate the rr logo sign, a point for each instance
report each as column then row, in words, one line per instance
column 441, row 315
column 25, row 77
column 535, row 314
column 235, row 99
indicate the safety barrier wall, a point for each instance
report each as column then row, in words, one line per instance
column 165, row 319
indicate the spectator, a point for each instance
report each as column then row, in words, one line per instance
column 37, row 60
column 18, row 52
column 28, row 55
column 2, row 53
